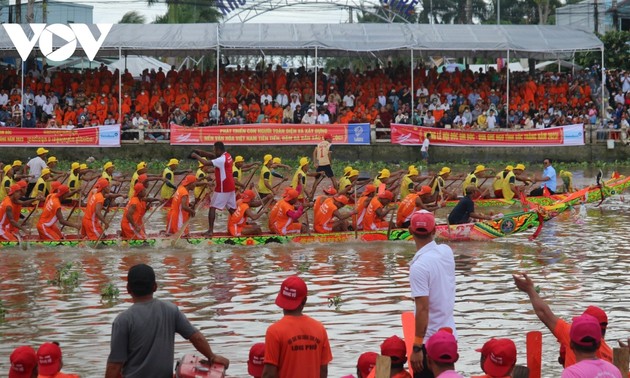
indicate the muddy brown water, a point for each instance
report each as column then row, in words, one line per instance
column 580, row 258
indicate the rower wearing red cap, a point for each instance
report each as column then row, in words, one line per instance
column 559, row 327
column 51, row 214
column 238, row 222
column 256, row 361
column 9, row 208
column 377, row 210
column 365, row 364
column 132, row 224
column 416, row 200
column 329, row 218
column 180, row 209
column 94, row 221
column 363, row 202
column 284, row 216
column 50, row 362
column 498, row 358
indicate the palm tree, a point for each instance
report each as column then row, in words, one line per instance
column 133, row 17
column 453, row 11
column 197, row 11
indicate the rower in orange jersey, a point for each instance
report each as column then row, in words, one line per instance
column 8, row 208
column 180, row 206
column 414, row 201
column 94, row 222
column 363, row 202
column 377, row 211
column 239, row 221
column 132, row 225
column 328, row 218
column 328, row 193
column 283, row 218
column 47, row 224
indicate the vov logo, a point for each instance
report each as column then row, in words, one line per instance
column 45, row 34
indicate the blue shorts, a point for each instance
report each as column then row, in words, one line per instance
column 425, row 155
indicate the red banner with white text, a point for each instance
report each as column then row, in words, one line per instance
column 270, row 134
column 571, row 135
column 98, row 136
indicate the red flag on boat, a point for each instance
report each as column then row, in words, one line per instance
column 546, row 192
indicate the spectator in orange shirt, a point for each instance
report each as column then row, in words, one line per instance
column 296, row 345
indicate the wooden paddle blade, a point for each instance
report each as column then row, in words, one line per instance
column 534, row 353
column 383, row 367
column 409, row 333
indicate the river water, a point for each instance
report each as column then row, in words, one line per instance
column 580, row 258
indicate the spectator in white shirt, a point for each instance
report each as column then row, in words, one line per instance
column 265, row 97
column 348, row 100
column 491, row 120
column 4, row 98
column 309, row 118
column 323, row 118
column 282, row 98
column 625, row 82
column 295, row 101
column 382, row 100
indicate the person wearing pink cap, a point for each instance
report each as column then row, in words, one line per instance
column 296, row 345
column 181, row 210
column 132, row 224
column 239, row 222
column 50, row 362
column 394, row 347
column 284, row 216
column 442, row 354
column 23, row 363
column 414, row 201
column 256, row 360
column 498, row 358
column 432, row 281
column 328, row 217
column 47, row 223
column 586, row 337
column 323, row 161
column 559, row 327
column 376, row 213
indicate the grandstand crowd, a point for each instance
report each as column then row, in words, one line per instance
column 379, row 96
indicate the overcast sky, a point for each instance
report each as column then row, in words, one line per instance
column 111, row 11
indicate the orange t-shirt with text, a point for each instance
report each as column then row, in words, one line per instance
column 298, row 346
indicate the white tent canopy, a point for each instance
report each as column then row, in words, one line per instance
column 523, row 41
column 137, row 63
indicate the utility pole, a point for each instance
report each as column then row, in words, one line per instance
column 498, row 12
column 349, row 15
column 596, row 16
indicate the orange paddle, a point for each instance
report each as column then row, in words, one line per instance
column 534, row 353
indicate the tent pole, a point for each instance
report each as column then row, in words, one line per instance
column 413, row 93
column 603, row 86
column 315, row 89
column 507, row 90
column 22, row 90
column 120, row 86
column 218, row 65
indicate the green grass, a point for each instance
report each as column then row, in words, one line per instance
column 67, row 276
column 109, row 292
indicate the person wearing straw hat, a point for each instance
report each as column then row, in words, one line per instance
column 35, row 167
column 168, row 175
column 51, row 214
column 9, row 214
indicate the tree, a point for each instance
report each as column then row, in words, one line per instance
column 133, row 17
column 524, row 11
column 453, row 11
column 378, row 14
column 188, row 12
column 616, row 52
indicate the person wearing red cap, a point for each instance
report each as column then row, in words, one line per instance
column 239, row 221
column 23, row 363
column 328, row 218
column 365, row 364
column 10, row 213
column 47, row 224
column 256, row 360
column 559, row 327
column 296, row 345
column 180, row 210
column 132, row 224
column 284, row 216
column 432, row 281
column 464, row 211
column 414, row 201
column 586, row 337
column 94, row 222
column 442, row 354
column 50, row 362
column 498, row 358
column 328, row 193
column 323, row 161
column 363, row 202
column 143, row 336
column 377, row 210
column 394, row 347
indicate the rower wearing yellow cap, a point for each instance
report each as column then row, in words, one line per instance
column 473, row 179
column 265, row 187
column 203, row 177
column 410, row 180
column 52, row 165
column 508, row 184
column 497, row 184
column 35, row 166
column 7, row 181
column 43, row 184
column 567, row 181
column 347, row 181
column 238, row 168
column 391, row 180
column 299, row 179
column 141, row 169
column 168, row 174
column 438, row 185
column 108, row 174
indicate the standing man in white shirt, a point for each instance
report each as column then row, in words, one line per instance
column 35, row 167
column 491, row 120
column 432, row 280
column 424, row 150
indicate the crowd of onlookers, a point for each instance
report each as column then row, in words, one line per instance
column 376, row 95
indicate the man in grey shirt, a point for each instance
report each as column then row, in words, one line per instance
column 143, row 336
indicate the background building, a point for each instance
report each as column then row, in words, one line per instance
column 56, row 13
column 583, row 14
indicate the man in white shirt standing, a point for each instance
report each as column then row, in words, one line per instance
column 491, row 120
column 432, row 280
column 35, row 166
column 424, row 150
